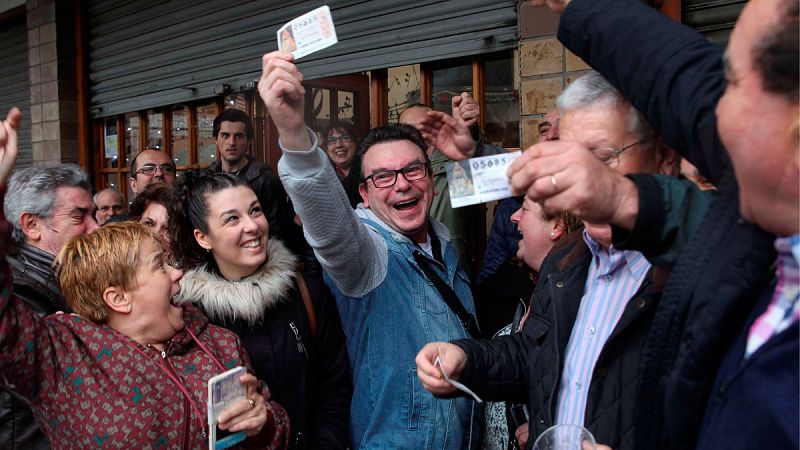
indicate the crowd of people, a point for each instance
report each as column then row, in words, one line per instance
column 616, row 294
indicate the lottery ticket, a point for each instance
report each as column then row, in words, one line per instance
column 479, row 180
column 308, row 33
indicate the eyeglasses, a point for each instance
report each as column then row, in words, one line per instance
column 610, row 156
column 150, row 169
column 387, row 178
column 342, row 138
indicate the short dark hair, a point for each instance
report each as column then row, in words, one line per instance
column 134, row 167
column 389, row 133
column 342, row 127
column 775, row 56
column 234, row 115
column 158, row 193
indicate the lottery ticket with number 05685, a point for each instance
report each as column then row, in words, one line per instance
column 479, row 180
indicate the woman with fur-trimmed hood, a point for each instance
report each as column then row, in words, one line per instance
column 249, row 284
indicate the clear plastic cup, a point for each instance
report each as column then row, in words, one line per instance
column 565, row 437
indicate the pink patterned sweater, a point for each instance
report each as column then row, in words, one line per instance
column 90, row 387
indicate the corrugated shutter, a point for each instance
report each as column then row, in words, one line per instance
column 15, row 89
column 714, row 18
column 148, row 53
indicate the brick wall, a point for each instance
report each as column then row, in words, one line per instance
column 51, row 59
column 545, row 68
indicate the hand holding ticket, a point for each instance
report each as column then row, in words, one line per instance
column 308, row 33
column 479, row 180
column 456, row 384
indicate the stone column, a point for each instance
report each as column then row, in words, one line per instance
column 51, row 57
column 546, row 67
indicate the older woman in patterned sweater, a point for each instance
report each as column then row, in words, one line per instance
column 130, row 369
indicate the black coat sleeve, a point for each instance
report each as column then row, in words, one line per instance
column 670, row 211
column 333, row 388
column 496, row 370
column 280, row 215
column 673, row 75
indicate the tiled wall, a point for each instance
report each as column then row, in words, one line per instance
column 545, row 67
column 51, row 56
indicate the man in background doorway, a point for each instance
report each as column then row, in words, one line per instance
column 462, row 222
column 109, row 202
column 151, row 165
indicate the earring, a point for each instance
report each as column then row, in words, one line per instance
column 552, row 234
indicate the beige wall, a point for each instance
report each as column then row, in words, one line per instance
column 545, row 68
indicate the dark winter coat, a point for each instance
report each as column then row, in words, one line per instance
column 528, row 366
column 35, row 284
column 675, row 77
column 308, row 375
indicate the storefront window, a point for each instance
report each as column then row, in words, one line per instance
column 183, row 131
column 179, row 136
column 236, row 101
column 111, row 144
column 449, row 82
column 345, row 106
column 498, row 94
column 155, row 129
column 321, row 109
column 501, row 100
column 403, row 85
column 206, row 146
column 132, row 133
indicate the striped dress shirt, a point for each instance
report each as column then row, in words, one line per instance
column 614, row 277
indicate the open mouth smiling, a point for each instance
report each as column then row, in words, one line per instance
column 402, row 206
column 252, row 244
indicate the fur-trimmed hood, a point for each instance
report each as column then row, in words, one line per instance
column 247, row 299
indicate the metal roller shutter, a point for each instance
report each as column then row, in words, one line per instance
column 15, row 89
column 149, row 53
column 714, row 18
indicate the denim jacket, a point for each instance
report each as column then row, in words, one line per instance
column 389, row 310
column 386, row 327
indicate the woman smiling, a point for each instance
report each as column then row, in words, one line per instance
column 248, row 283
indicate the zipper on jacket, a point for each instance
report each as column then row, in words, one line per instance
column 188, row 413
column 187, row 410
column 300, row 347
column 556, row 372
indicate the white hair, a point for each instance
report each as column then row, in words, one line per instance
column 594, row 90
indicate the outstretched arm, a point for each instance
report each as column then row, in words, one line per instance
column 349, row 252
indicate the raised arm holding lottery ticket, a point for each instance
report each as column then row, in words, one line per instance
column 282, row 92
column 452, row 358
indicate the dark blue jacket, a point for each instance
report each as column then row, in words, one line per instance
column 503, row 239
column 675, row 77
column 764, row 386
